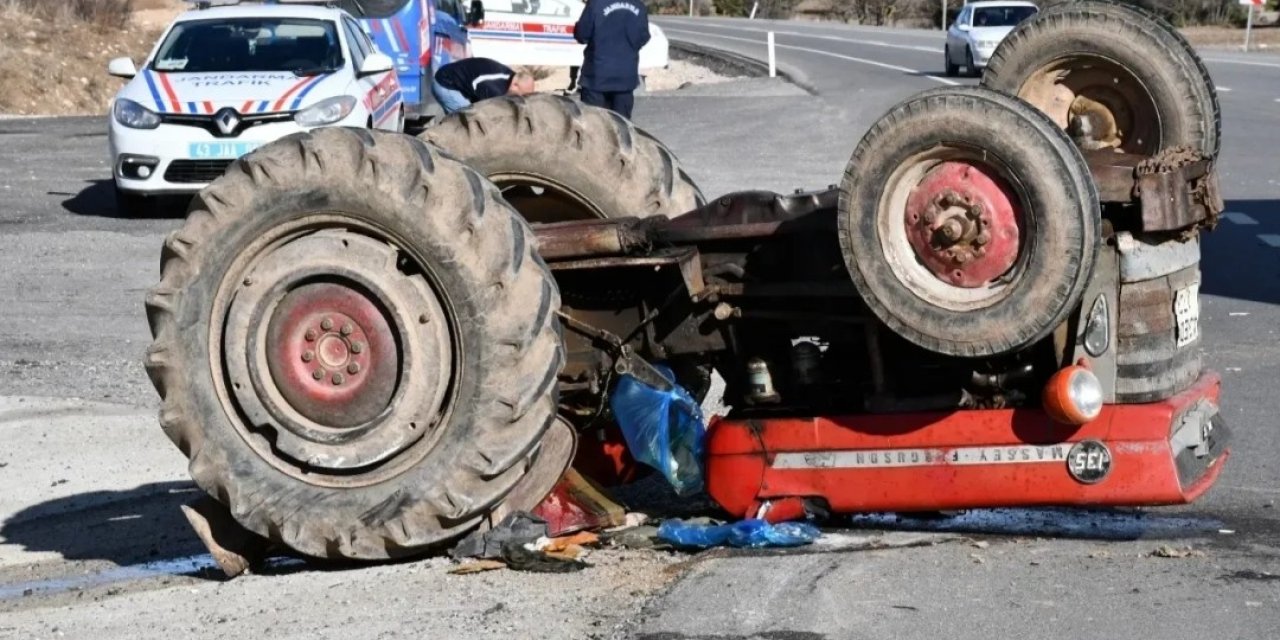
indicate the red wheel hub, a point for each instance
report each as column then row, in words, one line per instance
column 964, row 224
column 333, row 355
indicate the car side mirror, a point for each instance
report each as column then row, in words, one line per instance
column 963, row 27
column 476, row 14
column 122, row 68
column 376, row 63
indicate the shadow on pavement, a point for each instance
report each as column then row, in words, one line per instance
column 124, row 527
column 98, row 199
column 1235, row 263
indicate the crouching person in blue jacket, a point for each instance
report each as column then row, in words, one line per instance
column 614, row 31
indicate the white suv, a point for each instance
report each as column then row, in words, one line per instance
column 225, row 80
column 978, row 30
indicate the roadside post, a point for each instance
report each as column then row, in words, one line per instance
column 773, row 60
column 1248, row 28
column 944, row 15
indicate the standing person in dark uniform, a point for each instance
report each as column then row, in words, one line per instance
column 460, row 84
column 614, row 31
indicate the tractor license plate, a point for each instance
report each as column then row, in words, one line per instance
column 1186, row 312
column 220, row 150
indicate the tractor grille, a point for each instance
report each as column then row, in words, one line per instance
column 190, row 171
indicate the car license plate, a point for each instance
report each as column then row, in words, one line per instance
column 1186, row 312
column 220, row 150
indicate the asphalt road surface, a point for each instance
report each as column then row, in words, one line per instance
column 92, row 544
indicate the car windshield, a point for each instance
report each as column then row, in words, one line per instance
column 251, row 44
column 1001, row 16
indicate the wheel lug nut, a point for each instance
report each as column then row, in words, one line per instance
column 318, row 374
column 338, row 378
column 311, row 335
column 353, row 368
column 346, row 329
column 326, row 324
column 308, row 356
column 357, row 347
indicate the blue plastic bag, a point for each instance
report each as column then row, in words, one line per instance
column 753, row 533
column 663, row 429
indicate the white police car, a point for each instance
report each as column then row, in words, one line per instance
column 224, row 80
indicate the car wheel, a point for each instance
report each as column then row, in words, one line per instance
column 969, row 64
column 951, row 69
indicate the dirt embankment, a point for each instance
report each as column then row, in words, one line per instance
column 52, row 62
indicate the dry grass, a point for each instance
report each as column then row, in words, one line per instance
column 1263, row 37
column 106, row 14
column 58, row 65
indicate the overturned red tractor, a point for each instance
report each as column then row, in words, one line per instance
column 369, row 345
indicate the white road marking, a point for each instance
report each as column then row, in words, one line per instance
column 1223, row 89
column 873, row 63
column 1271, row 240
column 1247, row 63
column 1239, row 218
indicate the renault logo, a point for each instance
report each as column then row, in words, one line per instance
column 228, row 121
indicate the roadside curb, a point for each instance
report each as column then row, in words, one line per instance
column 748, row 65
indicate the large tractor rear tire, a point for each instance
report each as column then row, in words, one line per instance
column 1113, row 75
column 556, row 159
column 356, row 344
column 969, row 222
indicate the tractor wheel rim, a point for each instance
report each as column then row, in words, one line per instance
column 963, row 224
column 332, row 354
column 337, row 351
column 1100, row 103
column 952, row 227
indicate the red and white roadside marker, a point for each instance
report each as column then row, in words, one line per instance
column 1248, row 29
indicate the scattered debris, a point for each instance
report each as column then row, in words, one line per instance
column 752, row 533
column 1226, row 532
column 1238, row 314
column 1167, row 551
column 641, row 537
column 663, row 426
column 580, row 539
column 522, row 557
column 631, row 520
column 981, row 544
column 234, row 548
column 519, row 527
column 1100, row 555
column 977, row 559
column 477, row 566
column 578, row 504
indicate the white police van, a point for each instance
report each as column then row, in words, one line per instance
column 225, row 79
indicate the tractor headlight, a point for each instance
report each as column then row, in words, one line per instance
column 326, row 112
column 1073, row 396
column 134, row 115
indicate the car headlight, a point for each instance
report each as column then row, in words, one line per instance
column 134, row 115
column 988, row 44
column 326, row 111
